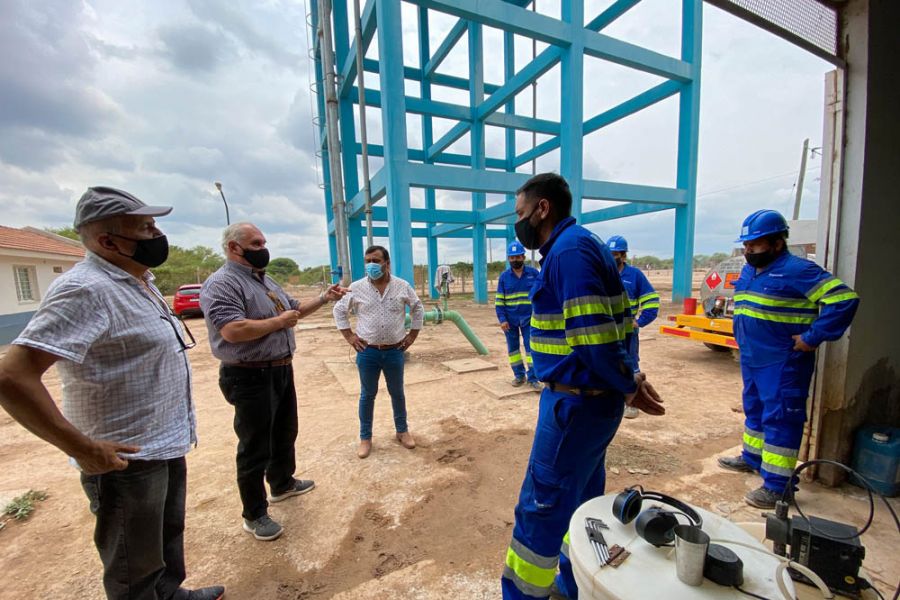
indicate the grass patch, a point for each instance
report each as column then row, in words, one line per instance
column 21, row 507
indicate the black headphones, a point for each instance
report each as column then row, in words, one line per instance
column 654, row 524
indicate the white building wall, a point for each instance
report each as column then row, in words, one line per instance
column 43, row 265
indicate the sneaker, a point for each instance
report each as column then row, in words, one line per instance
column 762, row 498
column 536, row 385
column 264, row 528
column 735, row 463
column 213, row 592
column 632, row 412
column 518, row 382
column 301, row 486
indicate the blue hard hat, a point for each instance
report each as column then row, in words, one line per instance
column 617, row 244
column 762, row 223
column 515, row 249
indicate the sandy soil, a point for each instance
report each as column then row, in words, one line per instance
column 429, row 523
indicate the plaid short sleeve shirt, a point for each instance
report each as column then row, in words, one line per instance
column 125, row 375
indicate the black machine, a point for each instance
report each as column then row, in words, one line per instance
column 830, row 549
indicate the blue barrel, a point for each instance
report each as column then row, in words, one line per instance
column 876, row 457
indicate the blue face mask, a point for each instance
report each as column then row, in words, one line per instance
column 374, row 270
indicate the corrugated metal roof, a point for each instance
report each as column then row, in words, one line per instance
column 33, row 241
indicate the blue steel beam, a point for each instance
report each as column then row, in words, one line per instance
column 443, row 157
column 378, row 188
column 571, row 163
column 455, row 34
column 431, row 243
column 421, row 232
column 635, row 57
column 426, row 215
column 629, row 192
column 504, row 16
column 629, row 107
column 393, row 124
column 348, row 67
column 688, row 143
column 476, row 98
column 542, row 63
column 415, row 74
column 612, row 13
column 466, row 180
column 619, row 212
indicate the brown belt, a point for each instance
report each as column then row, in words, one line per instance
column 385, row 346
column 261, row 364
column 568, row 389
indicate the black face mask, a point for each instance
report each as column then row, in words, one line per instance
column 527, row 233
column 516, row 264
column 150, row 253
column 258, row 259
column 620, row 262
column 761, row 259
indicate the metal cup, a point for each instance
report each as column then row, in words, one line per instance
column 691, row 544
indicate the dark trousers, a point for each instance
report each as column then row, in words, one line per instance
column 140, row 528
column 265, row 421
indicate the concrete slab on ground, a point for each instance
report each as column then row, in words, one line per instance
column 348, row 376
column 469, row 365
column 501, row 388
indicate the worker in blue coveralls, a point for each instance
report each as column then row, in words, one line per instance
column 785, row 307
column 579, row 329
column 643, row 298
column 514, row 313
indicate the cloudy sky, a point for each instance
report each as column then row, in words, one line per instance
column 164, row 98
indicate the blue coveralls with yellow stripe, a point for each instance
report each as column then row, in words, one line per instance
column 791, row 296
column 644, row 303
column 513, row 306
column 579, row 331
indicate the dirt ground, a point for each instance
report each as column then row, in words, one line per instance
column 424, row 524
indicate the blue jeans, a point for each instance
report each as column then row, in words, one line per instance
column 139, row 531
column 371, row 363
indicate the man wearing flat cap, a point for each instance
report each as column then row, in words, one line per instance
column 127, row 417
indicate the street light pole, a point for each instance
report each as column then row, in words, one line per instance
column 227, row 217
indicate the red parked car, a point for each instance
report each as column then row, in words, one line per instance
column 187, row 301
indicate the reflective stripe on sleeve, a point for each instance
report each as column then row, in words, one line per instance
column 547, row 345
column 548, row 322
column 823, row 288
column 594, row 305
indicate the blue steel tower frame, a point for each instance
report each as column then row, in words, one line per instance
column 431, row 167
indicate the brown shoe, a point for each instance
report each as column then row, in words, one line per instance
column 365, row 447
column 407, row 440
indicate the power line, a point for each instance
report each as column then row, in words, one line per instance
column 748, row 183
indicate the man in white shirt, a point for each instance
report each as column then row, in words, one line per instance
column 379, row 301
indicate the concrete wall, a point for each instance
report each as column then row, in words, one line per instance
column 14, row 314
column 858, row 382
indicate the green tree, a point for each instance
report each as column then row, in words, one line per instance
column 68, row 232
column 280, row 269
column 184, row 266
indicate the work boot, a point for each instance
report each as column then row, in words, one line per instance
column 632, row 412
column 264, row 528
column 300, row 486
column 365, row 447
column 406, row 440
column 735, row 463
column 762, row 498
column 518, row 382
column 536, row 385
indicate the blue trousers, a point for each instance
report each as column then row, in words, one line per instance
column 774, row 414
column 566, row 468
column 371, row 363
column 516, row 359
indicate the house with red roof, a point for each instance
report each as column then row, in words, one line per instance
column 30, row 259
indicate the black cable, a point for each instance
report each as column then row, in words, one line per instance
column 751, row 594
column 788, row 496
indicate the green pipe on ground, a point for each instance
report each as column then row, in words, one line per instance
column 438, row 315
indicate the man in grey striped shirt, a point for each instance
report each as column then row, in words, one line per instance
column 251, row 321
column 128, row 417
